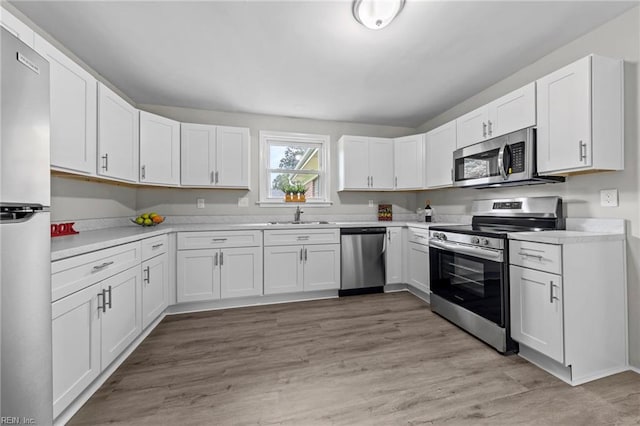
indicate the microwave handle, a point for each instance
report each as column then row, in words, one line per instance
column 501, row 169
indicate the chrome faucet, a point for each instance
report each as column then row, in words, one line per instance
column 296, row 215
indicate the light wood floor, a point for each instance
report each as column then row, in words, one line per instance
column 381, row 359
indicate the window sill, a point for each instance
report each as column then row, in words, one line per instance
column 280, row 203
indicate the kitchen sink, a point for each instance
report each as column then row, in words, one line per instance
column 293, row 222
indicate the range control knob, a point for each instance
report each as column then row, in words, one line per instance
column 443, row 237
column 475, row 240
column 484, row 242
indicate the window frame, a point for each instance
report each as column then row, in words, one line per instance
column 322, row 142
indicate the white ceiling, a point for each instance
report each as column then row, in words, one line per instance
column 311, row 58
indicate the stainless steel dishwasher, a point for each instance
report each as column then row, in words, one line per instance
column 362, row 261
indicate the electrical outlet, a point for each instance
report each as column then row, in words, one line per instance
column 243, row 202
column 200, row 203
column 371, row 203
column 609, row 198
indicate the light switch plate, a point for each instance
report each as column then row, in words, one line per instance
column 371, row 203
column 200, row 203
column 243, row 202
column 609, row 198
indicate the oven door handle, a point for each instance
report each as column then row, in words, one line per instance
column 483, row 253
column 501, row 169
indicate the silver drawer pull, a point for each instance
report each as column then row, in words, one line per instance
column 537, row 256
column 303, row 237
column 155, row 246
column 100, row 267
column 420, row 236
column 219, row 240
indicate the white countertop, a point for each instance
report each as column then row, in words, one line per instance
column 566, row 237
column 88, row 241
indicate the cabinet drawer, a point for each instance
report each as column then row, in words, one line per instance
column 286, row 237
column 544, row 257
column 152, row 247
column 75, row 273
column 218, row 239
column 419, row 235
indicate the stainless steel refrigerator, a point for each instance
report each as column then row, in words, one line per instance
column 25, row 260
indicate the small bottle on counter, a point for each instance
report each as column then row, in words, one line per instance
column 428, row 212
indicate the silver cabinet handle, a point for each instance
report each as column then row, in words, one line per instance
column 218, row 240
column 389, row 235
column 155, row 246
column 215, row 260
column 551, row 296
column 451, row 175
column 147, row 272
column 583, row 150
column 105, row 166
column 143, row 172
column 212, row 177
column 368, row 181
column 101, row 267
column 301, row 255
column 109, row 302
column 484, row 129
column 103, row 307
column 372, row 181
column 396, row 181
column 305, row 254
column 217, row 177
column 221, row 258
column 490, row 128
column 303, row 237
column 536, row 256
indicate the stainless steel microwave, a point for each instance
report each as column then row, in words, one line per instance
column 507, row 160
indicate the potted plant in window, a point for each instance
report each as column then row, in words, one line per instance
column 301, row 190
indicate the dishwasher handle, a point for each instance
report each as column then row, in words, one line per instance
column 367, row 230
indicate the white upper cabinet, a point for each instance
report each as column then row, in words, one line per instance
column 117, row 136
column 408, row 154
column 159, row 150
column 440, row 144
column 73, row 112
column 364, row 163
column 215, row 156
column 580, row 117
column 17, row 28
column 511, row 112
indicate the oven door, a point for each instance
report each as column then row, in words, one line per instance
column 499, row 160
column 470, row 277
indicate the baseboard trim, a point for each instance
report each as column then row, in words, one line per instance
column 634, row 369
column 420, row 294
column 75, row 406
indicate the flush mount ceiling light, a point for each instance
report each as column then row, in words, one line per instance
column 376, row 14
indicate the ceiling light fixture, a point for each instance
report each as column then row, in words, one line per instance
column 376, row 14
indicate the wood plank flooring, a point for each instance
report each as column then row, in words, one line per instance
column 381, row 359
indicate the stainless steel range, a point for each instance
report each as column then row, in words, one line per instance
column 469, row 265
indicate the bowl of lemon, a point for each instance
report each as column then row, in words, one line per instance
column 148, row 219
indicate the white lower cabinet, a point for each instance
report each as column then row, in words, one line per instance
column 211, row 274
column 393, row 256
column 418, row 266
column 536, row 319
column 76, row 345
column 155, row 288
column 321, row 267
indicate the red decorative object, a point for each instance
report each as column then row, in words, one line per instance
column 62, row 229
column 385, row 212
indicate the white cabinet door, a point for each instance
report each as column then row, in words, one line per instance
column 17, row 28
column 393, row 256
column 73, row 104
column 418, row 266
column 76, row 345
column 514, row 111
column 440, row 142
column 241, row 272
column 121, row 321
column 321, row 267
column 380, row 163
column 198, row 275
column 564, row 118
column 537, row 311
column 232, row 157
column 409, row 162
column 197, row 154
column 472, row 127
column 354, row 163
column 155, row 288
column 283, row 269
column 117, row 136
column 159, row 150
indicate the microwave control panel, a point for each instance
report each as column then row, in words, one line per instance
column 517, row 157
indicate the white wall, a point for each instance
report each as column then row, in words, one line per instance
column 619, row 38
column 225, row 202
